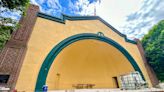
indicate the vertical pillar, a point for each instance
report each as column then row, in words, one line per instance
column 12, row 55
column 151, row 73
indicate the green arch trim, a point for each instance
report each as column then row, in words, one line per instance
column 41, row 80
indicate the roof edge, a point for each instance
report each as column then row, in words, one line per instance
column 67, row 17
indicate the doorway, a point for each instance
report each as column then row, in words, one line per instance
column 115, row 82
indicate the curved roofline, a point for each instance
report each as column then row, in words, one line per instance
column 66, row 17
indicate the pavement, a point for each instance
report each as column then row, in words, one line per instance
column 110, row 90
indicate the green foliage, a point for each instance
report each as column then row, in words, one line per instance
column 4, row 35
column 20, row 5
column 153, row 44
column 7, row 25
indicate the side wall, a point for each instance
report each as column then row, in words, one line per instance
column 12, row 55
column 152, row 75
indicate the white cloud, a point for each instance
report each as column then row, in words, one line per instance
column 10, row 14
column 83, row 7
column 34, row 2
column 51, row 7
column 112, row 11
column 115, row 11
column 53, row 4
column 131, row 17
column 150, row 12
column 41, row 1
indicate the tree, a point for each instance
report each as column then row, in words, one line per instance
column 153, row 44
column 16, row 5
column 5, row 30
column 7, row 24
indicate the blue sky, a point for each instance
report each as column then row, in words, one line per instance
column 131, row 17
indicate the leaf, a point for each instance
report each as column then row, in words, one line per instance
column 153, row 44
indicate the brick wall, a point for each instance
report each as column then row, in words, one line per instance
column 150, row 71
column 12, row 55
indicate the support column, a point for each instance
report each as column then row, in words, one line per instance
column 150, row 71
column 12, row 55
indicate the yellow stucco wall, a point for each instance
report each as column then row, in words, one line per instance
column 46, row 34
column 87, row 62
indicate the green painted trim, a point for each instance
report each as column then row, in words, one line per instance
column 66, row 17
column 41, row 80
